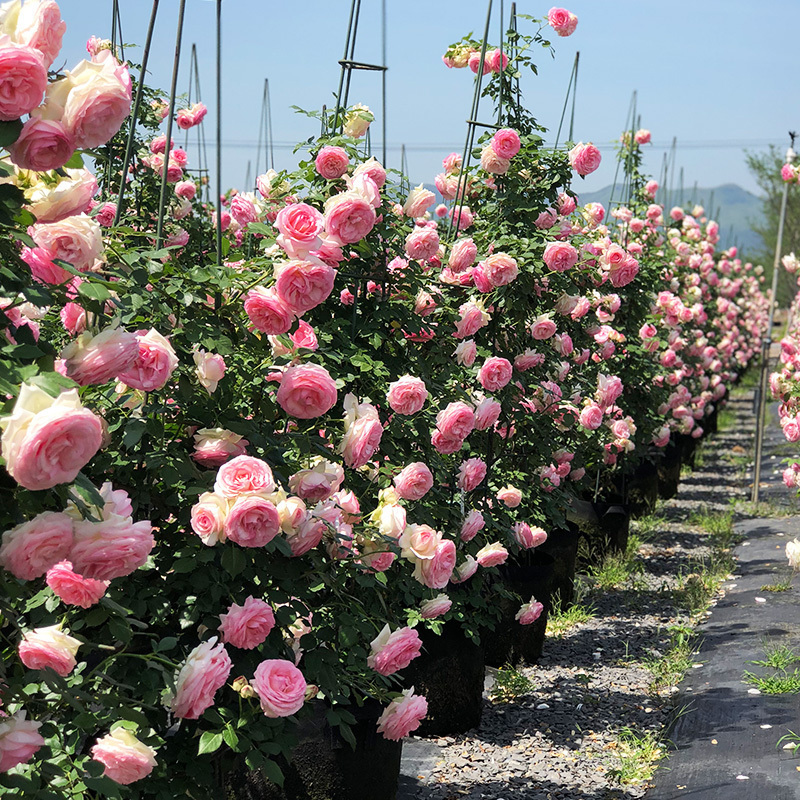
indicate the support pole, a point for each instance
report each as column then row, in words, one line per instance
column 219, row 135
column 767, row 341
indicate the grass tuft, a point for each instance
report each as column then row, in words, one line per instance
column 509, row 684
column 561, row 620
column 668, row 670
column 638, row 755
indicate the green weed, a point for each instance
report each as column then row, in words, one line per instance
column 509, row 684
column 561, row 620
column 638, row 755
column 668, row 670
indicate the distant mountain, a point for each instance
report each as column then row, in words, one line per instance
column 734, row 208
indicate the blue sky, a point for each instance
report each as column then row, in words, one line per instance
column 718, row 75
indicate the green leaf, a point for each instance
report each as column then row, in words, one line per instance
column 209, row 743
column 76, row 162
column 167, row 643
column 233, row 561
column 134, row 430
column 10, row 131
column 93, row 291
column 272, row 772
column 230, row 738
column 52, row 382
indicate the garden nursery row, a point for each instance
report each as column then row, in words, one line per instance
column 282, row 473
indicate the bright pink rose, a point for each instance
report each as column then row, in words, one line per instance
column 456, row 421
column 247, row 626
column 105, row 214
column 244, row 475
column 431, row 609
column 268, row 312
column 393, row 651
column 418, row 201
column 446, row 444
column 487, row 412
column 94, row 360
column 584, row 158
column 642, row 136
column 304, row 337
column 402, row 716
column 46, row 440
column 528, row 537
column 560, row 256
column 243, row 210
column 500, row 269
column 74, row 589
column 186, row 189
column 112, row 548
column 622, row 273
column 124, row 757
column 40, row 261
column 31, row 548
column 23, row 80
column 204, row 671
column 77, row 240
column 363, row 432
column 497, row 60
column 495, row 373
column 407, row 395
column 566, row 204
column 510, row 496
column 214, row 446
column 562, row 21
column 307, row 391
column 462, row 256
column 187, row 118
column 471, row 473
column 300, row 225
column 506, row 143
column 373, row 170
column 280, row 686
column 49, row 647
column 19, row 740
column 543, row 327
column 303, row 285
column 42, row 145
column 332, row 162
column 414, row 481
column 473, row 317
column 466, row 352
column 307, row 536
column 609, row 388
column 492, row 162
column 529, row 612
column 591, row 417
column 39, row 25
column 153, row 365
column 492, row 555
column 252, row 521
column 317, row 483
column 435, row 572
column 473, row 524
column 348, row 217
column 422, row 244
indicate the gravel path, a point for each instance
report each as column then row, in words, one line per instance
column 562, row 740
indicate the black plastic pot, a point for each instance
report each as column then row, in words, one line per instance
column 669, row 470
column 562, row 547
column 641, row 489
column 450, row 673
column 510, row 642
column 688, row 445
column 604, row 526
column 325, row 767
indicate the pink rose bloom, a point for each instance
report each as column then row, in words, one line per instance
column 495, row 373
column 560, row 256
column 529, row 612
column 300, row 226
column 186, row 189
column 307, row 391
column 42, row 145
column 31, row 548
column 49, row 647
column 498, row 60
column 303, row 285
column 77, row 240
column 487, row 412
column 19, row 740
column 74, row 589
column 407, row 395
column 306, row 537
column 247, row 626
column 124, row 757
column 462, row 256
column 584, row 158
column 440, row 605
column 422, row 244
column 500, row 269
column 546, row 219
column 543, row 327
column 331, row 163
column 473, row 317
column 40, row 262
column 566, row 204
column 623, row 272
column 466, row 353
column 94, row 360
column 393, row 651
column 473, row 524
column 591, row 417
column 93, row 100
column 348, row 217
column 46, row 440
column 510, row 495
column 112, row 548
column 492, row 555
column 402, row 716
column 471, row 473
column 528, row 537
column 456, row 421
column 318, row 483
column 463, row 217
column 252, row 521
column 373, row 170
column 414, row 481
column 642, row 136
column 609, row 388
column 788, row 174
column 363, row 432
column 435, row 572
column 105, row 214
column 528, row 360
column 268, row 312
column 214, row 446
column 419, row 542
column 39, row 25
column 280, row 686
column 446, row 444
column 465, row 571
column 243, row 210
column 562, row 21
column 304, row 337
column 23, row 80
column 153, row 365
column 210, row 369
column 418, row 202
column 492, row 162
column 204, row 671
column 73, row 318
column 506, row 143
